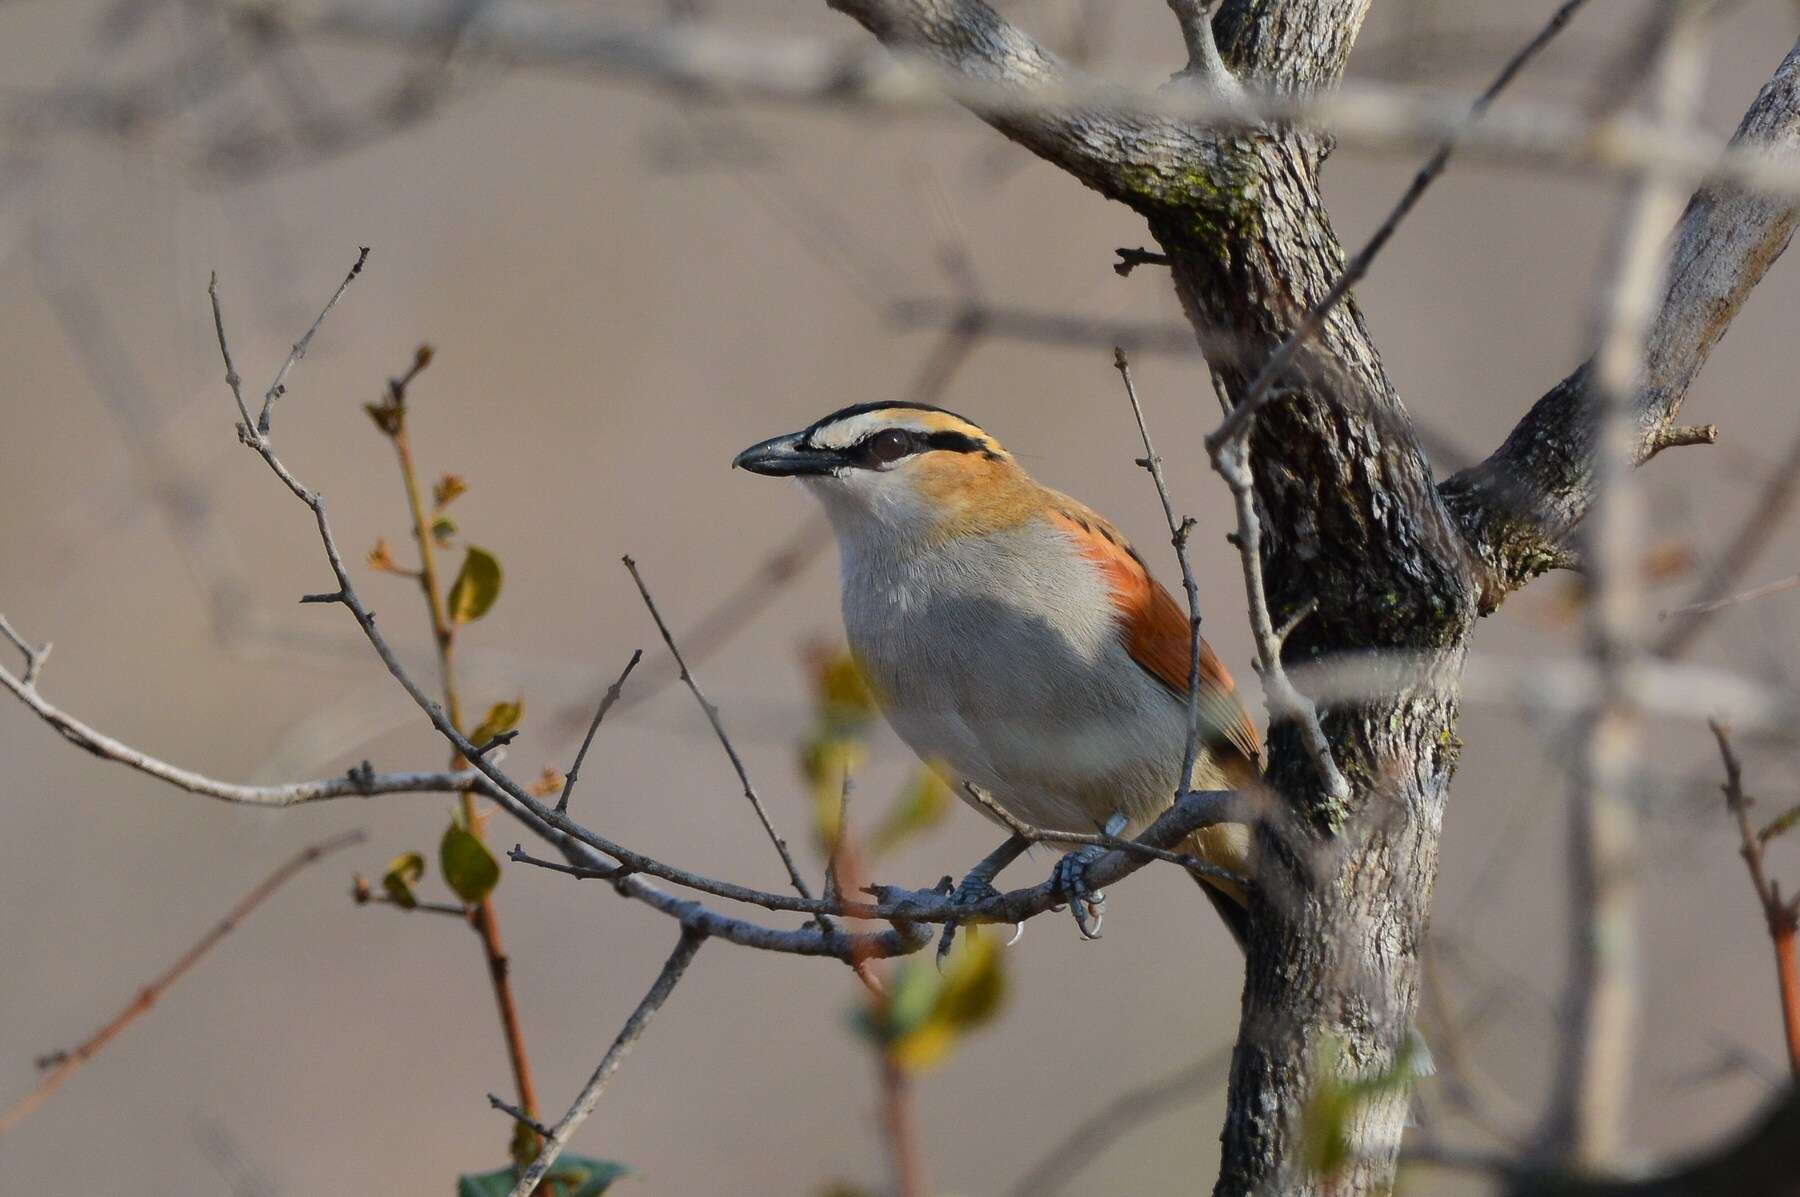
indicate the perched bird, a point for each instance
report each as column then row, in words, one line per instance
column 1016, row 641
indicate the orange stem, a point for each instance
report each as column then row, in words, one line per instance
column 484, row 918
column 1787, row 971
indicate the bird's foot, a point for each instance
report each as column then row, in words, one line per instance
column 1070, row 878
column 977, row 886
column 974, row 889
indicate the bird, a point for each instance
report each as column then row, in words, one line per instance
column 1018, row 644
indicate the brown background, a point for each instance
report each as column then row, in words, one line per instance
column 616, row 314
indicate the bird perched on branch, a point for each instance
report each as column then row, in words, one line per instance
column 1015, row 641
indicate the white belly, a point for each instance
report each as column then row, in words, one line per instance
column 998, row 660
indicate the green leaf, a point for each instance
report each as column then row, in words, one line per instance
column 403, row 872
column 501, row 718
column 1784, row 822
column 443, row 528
column 470, row 870
column 476, row 587
column 579, row 1176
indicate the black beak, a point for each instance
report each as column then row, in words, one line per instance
column 786, row 457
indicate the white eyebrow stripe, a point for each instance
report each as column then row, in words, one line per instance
column 844, row 433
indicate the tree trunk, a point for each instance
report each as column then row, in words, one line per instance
column 1353, row 525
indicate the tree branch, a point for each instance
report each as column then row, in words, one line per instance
column 664, row 985
column 62, row 1064
column 1518, row 507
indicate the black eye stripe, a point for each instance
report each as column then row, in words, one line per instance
column 867, row 455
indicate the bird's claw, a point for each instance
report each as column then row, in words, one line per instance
column 1070, row 879
column 973, row 889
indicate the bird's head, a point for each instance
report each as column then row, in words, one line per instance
column 901, row 469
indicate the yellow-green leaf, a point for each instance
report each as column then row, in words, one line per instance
column 403, row 872
column 501, row 718
column 925, row 1013
column 1780, row 824
column 841, row 693
column 470, row 870
column 476, row 586
column 974, row 983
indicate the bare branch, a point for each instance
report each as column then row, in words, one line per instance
column 712, row 717
column 62, row 1064
column 278, row 388
column 1126, row 1112
column 1783, row 919
column 606, row 704
column 360, row 782
column 1518, row 507
column 664, row 985
column 1766, row 513
column 1275, row 368
column 1043, row 835
column 1178, row 537
column 1732, row 600
column 1229, row 448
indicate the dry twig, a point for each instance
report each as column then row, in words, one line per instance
column 1782, row 915
column 62, row 1064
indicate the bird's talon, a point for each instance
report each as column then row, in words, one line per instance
column 1089, row 906
column 974, row 889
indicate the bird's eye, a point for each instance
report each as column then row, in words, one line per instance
column 890, row 445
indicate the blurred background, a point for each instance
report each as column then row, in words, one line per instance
column 624, row 287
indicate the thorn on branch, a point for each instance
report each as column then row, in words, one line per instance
column 335, row 596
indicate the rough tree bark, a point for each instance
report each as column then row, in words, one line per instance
column 1352, row 523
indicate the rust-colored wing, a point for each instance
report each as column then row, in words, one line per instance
column 1156, row 632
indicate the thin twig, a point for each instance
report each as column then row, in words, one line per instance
column 1229, row 448
column 1126, row 1112
column 606, row 704
column 518, row 1115
column 360, row 782
column 1732, row 600
column 278, row 388
column 1263, row 387
column 677, row 964
column 1044, row 835
column 1783, row 918
column 897, row 905
column 1766, row 513
column 712, row 717
column 1179, row 529
column 63, row 1064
